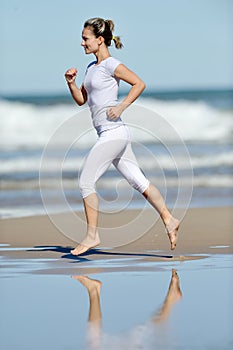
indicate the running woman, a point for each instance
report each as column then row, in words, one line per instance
column 100, row 91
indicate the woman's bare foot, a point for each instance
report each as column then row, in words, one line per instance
column 172, row 231
column 174, row 291
column 91, row 285
column 88, row 243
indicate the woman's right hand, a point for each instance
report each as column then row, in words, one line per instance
column 71, row 75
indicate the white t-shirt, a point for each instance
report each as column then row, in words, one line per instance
column 102, row 92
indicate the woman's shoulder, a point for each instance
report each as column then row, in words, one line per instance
column 112, row 60
column 111, row 64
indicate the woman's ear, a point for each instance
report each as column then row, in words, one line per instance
column 101, row 40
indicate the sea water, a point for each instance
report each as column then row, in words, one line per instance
column 48, row 310
column 182, row 140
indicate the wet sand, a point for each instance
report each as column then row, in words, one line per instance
column 140, row 294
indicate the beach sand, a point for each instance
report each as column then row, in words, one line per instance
column 201, row 230
column 139, row 295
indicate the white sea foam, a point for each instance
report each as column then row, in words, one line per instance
column 30, row 126
column 194, row 121
column 25, row 129
column 152, row 162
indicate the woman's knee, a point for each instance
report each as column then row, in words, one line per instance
column 86, row 187
column 140, row 186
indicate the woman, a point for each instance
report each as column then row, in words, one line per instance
column 100, row 90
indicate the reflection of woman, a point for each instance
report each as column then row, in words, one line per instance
column 137, row 334
column 100, row 90
column 93, row 288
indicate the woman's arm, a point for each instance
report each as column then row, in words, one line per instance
column 79, row 95
column 125, row 74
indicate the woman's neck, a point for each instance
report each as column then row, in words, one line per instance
column 102, row 54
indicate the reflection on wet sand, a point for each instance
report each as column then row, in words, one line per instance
column 174, row 294
column 95, row 317
column 93, row 288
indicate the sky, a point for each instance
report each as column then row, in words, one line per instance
column 170, row 44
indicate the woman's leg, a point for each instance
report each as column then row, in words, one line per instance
column 127, row 165
column 95, row 317
column 92, row 237
column 106, row 149
column 93, row 287
column 154, row 197
column 174, row 294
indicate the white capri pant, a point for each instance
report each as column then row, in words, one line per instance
column 112, row 147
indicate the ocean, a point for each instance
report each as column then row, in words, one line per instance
column 182, row 140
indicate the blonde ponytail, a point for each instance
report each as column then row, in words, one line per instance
column 117, row 42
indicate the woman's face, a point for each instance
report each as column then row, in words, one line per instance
column 89, row 41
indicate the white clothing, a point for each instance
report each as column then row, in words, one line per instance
column 102, row 92
column 112, row 146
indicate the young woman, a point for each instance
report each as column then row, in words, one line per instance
column 100, row 90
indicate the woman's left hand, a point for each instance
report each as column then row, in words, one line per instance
column 114, row 112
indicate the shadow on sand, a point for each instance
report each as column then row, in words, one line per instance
column 90, row 252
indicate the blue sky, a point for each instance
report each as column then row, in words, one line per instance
column 170, row 44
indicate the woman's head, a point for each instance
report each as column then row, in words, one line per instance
column 103, row 28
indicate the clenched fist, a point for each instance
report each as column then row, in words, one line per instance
column 71, row 74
